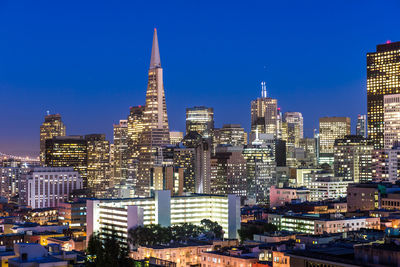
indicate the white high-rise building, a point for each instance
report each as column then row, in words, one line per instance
column 46, row 187
column 391, row 134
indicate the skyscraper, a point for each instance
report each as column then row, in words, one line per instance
column 68, row 151
column 391, row 119
column 264, row 114
column 361, row 128
column 330, row 129
column 200, row 120
column 383, row 71
column 294, row 132
column 155, row 132
column 353, row 158
column 231, row 134
column 52, row 126
column 98, row 163
column 120, row 154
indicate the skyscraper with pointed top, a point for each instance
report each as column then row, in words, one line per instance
column 155, row 122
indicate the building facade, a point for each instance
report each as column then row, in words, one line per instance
column 52, row 126
column 382, row 79
column 48, row 186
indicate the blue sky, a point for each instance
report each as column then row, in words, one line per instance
column 88, row 60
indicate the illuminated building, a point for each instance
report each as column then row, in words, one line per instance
column 105, row 215
column 230, row 134
column 264, row 114
column 361, row 128
column 200, row 120
column 383, row 70
column 98, row 163
column 68, row 151
column 155, row 132
column 228, row 172
column 48, row 186
column 175, row 137
column 185, row 158
column 353, row 158
column 306, row 153
column 304, row 223
column 73, row 214
column 330, row 129
column 260, row 166
column 52, row 126
column 386, row 165
column 328, row 188
column 295, row 126
column 120, row 155
column 167, row 178
column 134, row 130
column 391, row 120
column 10, row 178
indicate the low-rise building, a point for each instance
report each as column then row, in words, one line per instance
column 280, row 196
column 318, row 224
column 73, row 214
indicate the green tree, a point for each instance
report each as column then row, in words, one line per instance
column 212, row 227
column 107, row 252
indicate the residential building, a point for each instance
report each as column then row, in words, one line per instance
column 73, row 214
column 353, row 158
column 228, row 172
column 328, row 188
column 281, row 196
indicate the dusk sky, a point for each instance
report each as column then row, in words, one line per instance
column 88, row 60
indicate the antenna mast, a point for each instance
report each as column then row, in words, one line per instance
column 263, row 89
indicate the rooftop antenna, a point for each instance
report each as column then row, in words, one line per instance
column 263, row 89
column 48, row 112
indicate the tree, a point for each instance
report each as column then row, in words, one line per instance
column 247, row 231
column 212, row 227
column 106, row 252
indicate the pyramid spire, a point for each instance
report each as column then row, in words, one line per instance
column 155, row 61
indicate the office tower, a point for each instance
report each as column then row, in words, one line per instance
column 383, row 70
column 295, row 130
column 264, row 114
column 361, row 128
column 48, row 186
column 260, row 166
column 120, row 154
column 135, row 128
column 306, row 153
column 353, row 158
column 167, row 178
column 330, row 129
column 228, row 172
column 52, row 126
column 391, row 120
column 175, row 137
column 230, row 134
column 185, row 158
column 68, row 151
column 200, row 120
column 155, row 132
column 98, row 163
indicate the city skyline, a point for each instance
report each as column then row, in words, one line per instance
column 93, row 120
